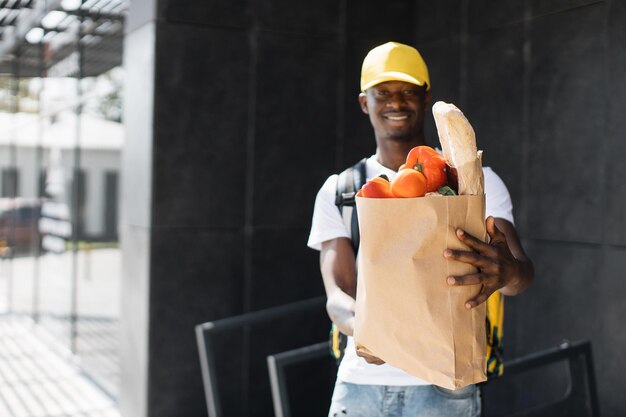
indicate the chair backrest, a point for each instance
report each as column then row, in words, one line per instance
column 554, row 382
column 278, row 364
column 233, row 351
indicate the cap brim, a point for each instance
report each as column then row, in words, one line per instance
column 394, row 76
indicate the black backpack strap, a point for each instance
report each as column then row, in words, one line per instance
column 349, row 183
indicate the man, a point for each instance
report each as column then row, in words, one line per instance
column 395, row 95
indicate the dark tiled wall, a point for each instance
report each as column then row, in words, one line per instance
column 255, row 103
column 245, row 131
column 544, row 85
column 567, row 111
column 614, row 147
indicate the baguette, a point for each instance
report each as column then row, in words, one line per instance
column 458, row 142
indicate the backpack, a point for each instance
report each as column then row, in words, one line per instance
column 349, row 183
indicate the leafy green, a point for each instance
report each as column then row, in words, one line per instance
column 445, row 190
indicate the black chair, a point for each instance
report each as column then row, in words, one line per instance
column 578, row 399
column 233, row 354
column 555, row 382
column 277, row 365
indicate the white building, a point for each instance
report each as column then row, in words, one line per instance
column 23, row 135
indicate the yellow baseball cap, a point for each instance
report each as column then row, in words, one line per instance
column 394, row 61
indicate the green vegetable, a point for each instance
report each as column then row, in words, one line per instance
column 445, row 190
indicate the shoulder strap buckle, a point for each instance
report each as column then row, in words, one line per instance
column 345, row 199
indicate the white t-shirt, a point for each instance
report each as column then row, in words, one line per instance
column 327, row 224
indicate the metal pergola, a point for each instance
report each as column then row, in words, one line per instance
column 57, row 38
column 41, row 37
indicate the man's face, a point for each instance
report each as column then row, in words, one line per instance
column 396, row 109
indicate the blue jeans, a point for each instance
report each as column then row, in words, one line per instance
column 352, row 400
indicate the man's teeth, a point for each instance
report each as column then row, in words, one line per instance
column 397, row 117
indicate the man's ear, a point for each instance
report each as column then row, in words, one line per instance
column 363, row 103
column 428, row 98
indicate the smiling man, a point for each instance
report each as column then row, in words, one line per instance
column 395, row 94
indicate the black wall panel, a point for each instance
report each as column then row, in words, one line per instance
column 232, row 14
column 295, row 125
column 201, row 117
column 438, row 19
column 567, row 105
column 443, row 57
column 281, row 269
column 541, row 7
column 486, row 14
column 309, row 18
column 614, row 146
column 196, row 273
column 609, row 346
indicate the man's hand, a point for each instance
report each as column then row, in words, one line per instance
column 501, row 263
column 369, row 358
column 340, row 308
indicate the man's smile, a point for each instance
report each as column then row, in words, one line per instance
column 396, row 116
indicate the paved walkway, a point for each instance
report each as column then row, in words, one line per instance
column 37, row 380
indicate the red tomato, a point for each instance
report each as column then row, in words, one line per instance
column 408, row 183
column 378, row 187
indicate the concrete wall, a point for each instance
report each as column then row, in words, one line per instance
column 237, row 111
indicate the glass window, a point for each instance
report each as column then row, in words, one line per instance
column 61, row 137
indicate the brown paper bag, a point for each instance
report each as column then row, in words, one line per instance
column 406, row 314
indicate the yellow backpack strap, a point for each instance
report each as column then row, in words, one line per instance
column 337, row 343
column 494, row 323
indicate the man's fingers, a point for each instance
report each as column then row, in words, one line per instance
column 370, row 358
column 467, row 257
column 374, row 360
column 494, row 233
column 469, row 279
column 470, row 240
column 480, row 298
column 473, row 279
